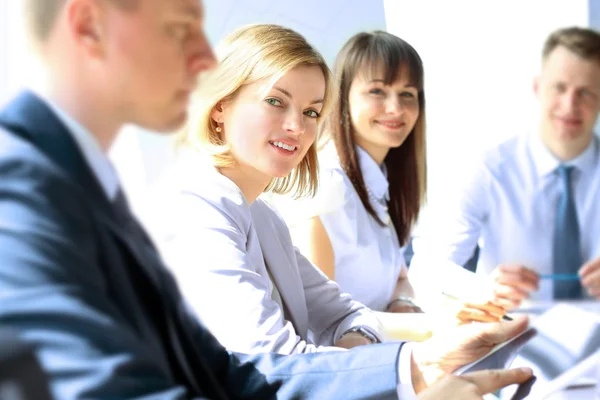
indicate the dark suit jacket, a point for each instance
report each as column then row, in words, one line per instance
column 106, row 317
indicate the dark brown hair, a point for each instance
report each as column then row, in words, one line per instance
column 582, row 41
column 406, row 165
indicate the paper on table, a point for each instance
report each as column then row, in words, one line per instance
column 414, row 327
column 460, row 283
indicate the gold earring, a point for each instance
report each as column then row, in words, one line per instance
column 218, row 129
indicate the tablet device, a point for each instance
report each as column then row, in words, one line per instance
column 502, row 355
column 561, row 347
column 565, row 348
column 524, row 389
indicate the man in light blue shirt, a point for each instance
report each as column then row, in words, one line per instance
column 533, row 205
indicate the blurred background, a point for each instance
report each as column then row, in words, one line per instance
column 480, row 59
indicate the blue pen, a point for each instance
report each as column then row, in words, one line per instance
column 560, row 277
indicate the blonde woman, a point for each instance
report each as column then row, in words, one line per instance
column 252, row 129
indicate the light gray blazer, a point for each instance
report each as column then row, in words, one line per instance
column 219, row 248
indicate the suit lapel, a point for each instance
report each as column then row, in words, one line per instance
column 279, row 260
column 29, row 117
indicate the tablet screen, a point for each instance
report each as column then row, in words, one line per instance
column 566, row 344
column 502, row 355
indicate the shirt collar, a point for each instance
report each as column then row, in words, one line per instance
column 92, row 153
column 546, row 163
column 374, row 175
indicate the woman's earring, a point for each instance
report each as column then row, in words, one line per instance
column 218, row 129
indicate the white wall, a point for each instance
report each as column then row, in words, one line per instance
column 480, row 58
column 16, row 67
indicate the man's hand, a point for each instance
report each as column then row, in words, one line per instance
column 446, row 351
column 473, row 386
column 352, row 339
column 512, row 284
column 590, row 277
column 480, row 312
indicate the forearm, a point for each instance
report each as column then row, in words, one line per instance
column 403, row 288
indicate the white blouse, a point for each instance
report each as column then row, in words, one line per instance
column 368, row 257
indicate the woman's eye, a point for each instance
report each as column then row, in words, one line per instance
column 273, row 102
column 407, row 94
column 312, row 113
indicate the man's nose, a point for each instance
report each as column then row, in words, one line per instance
column 201, row 57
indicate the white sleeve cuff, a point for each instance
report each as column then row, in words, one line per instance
column 405, row 388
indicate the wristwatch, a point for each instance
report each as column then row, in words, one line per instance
column 402, row 299
column 363, row 332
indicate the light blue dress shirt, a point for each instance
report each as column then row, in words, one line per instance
column 368, row 257
column 509, row 209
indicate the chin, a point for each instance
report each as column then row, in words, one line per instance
column 570, row 136
column 279, row 172
column 168, row 125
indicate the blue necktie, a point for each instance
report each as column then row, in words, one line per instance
column 567, row 247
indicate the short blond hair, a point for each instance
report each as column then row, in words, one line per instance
column 584, row 42
column 250, row 54
column 41, row 15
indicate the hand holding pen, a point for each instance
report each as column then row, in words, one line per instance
column 510, row 285
column 589, row 275
column 472, row 311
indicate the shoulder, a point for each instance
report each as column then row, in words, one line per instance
column 506, row 154
column 25, row 169
column 45, row 216
column 193, row 192
column 19, row 156
column 264, row 212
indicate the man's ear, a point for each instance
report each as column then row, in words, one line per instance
column 86, row 25
column 536, row 85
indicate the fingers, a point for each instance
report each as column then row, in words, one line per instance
column 506, row 291
column 489, row 381
column 507, row 303
column 474, row 315
column 489, row 307
column 512, row 284
column 517, row 276
column 504, row 330
column 589, row 268
column 594, row 291
column 590, row 277
column 487, row 312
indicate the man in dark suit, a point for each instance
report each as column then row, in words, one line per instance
column 79, row 277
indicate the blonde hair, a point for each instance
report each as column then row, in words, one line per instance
column 584, row 42
column 41, row 15
column 250, row 54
